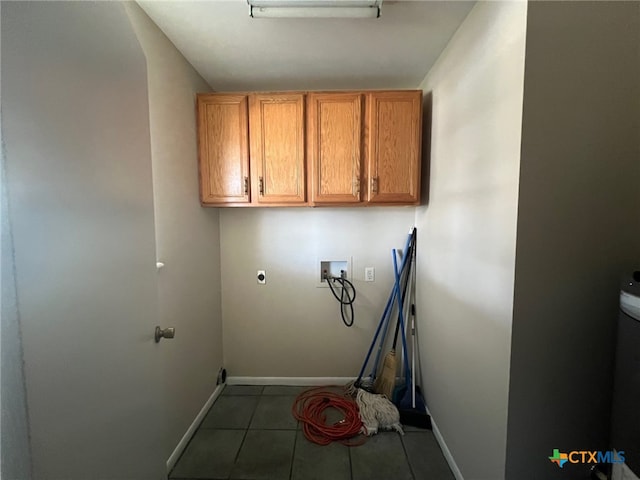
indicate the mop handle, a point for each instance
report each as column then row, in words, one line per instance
column 413, row 326
column 413, row 355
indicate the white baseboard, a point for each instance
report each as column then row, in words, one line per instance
column 445, row 451
column 184, row 441
column 293, row 381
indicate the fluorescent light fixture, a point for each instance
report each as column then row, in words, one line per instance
column 314, row 12
column 314, row 8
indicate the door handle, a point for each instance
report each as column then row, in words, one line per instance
column 168, row 332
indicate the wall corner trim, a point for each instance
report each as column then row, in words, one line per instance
column 445, row 450
column 292, row 381
column 184, row 441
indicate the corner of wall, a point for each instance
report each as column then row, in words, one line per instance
column 467, row 234
column 15, row 441
column 578, row 192
column 187, row 235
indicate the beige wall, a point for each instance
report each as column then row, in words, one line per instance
column 187, row 237
column 467, row 234
column 15, row 448
column 578, row 227
column 289, row 327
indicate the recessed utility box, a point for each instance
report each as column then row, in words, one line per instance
column 334, row 268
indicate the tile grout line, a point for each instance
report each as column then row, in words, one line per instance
column 235, row 459
column 295, row 443
column 406, row 456
column 350, row 463
column 244, row 437
column 293, row 452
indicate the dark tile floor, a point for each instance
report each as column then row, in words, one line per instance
column 250, row 434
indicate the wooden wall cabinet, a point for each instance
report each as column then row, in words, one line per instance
column 251, row 149
column 276, row 131
column 334, row 141
column 362, row 148
column 394, row 121
column 370, row 158
column 223, row 149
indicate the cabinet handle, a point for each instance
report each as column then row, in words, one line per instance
column 356, row 186
column 246, row 185
column 261, row 186
column 374, row 184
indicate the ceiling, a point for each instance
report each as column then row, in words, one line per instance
column 233, row 51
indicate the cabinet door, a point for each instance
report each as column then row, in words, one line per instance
column 223, row 148
column 395, row 131
column 335, row 147
column 276, row 126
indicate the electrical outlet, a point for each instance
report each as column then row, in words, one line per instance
column 369, row 274
column 262, row 277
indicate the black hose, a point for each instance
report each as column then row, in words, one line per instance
column 345, row 298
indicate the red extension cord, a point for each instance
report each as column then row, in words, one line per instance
column 310, row 408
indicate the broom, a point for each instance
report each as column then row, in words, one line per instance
column 361, row 382
column 386, row 382
column 411, row 405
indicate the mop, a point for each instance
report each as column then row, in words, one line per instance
column 377, row 413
